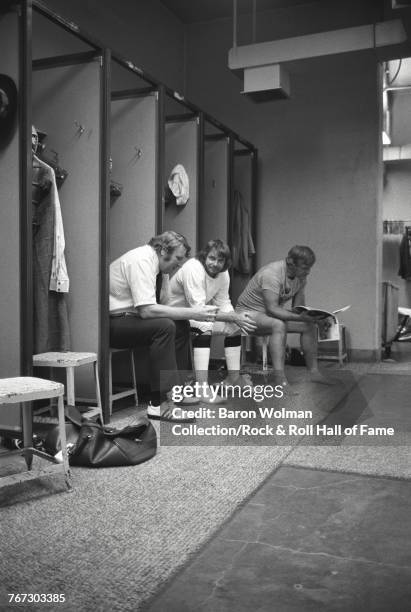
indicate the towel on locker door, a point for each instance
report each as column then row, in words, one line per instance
column 179, row 185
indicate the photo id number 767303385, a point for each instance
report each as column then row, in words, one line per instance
column 36, row 597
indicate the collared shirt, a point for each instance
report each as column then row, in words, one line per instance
column 133, row 279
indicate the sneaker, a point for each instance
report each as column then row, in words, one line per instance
column 169, row 411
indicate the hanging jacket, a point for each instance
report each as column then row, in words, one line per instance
column 243, row 246
column 51, row 330
column 405, row 255
column 59, row 280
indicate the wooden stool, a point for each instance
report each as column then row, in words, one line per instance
column 126, row 392
column 26, row 389
column 70, row 360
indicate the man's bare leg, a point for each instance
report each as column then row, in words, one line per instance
column 309, row 346
column 277, row 332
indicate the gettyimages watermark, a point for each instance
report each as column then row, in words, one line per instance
column 228, row 391
column 224, row 413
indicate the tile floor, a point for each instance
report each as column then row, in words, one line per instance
column 306, row 541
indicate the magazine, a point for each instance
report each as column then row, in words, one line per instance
column 319, row 312
column 328, row 328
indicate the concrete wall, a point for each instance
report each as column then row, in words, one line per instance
column 320, row 169
column 142, row 31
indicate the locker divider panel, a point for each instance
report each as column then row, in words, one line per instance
column 66, row 100
column 213, row 215
column 70, row 102
column 133, row 214
column 10, row 228
column 133, row 151
column 181, row 147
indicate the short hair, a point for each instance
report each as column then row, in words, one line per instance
column 301, row 253
column 169, row 241
column 222, row 249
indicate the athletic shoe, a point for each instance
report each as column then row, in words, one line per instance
column 169, row 411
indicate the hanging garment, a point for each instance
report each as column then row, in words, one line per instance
column 50, row 316
column 38, row 147
column 390, row 293
column 59, row 280
column 405, row 255
column 179, row 184
column 40, row 183
column 60, row 173
column 243, row 246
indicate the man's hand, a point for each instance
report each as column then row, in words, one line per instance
column 245, row 323
column 204, row 313
column 311, row 318
column 306, row 318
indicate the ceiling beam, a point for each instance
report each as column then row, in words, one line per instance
column 315, row 45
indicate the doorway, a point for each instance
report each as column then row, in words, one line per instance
column 396, row 201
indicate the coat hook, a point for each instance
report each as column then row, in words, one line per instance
column 80, row 128
column 138, row 153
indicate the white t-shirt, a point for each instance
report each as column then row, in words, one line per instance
column 191, row 286
column 272, row 276
column 133, row 279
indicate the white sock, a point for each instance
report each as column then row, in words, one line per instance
column 233, row 358
column 201, row 358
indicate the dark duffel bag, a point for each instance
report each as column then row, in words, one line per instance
column 99, row 446
column 91, row 444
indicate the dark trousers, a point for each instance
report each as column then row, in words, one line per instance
column 166, row 341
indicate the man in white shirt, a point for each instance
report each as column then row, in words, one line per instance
column 137, row 319
column 204, row 279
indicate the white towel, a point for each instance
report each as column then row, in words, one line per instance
column 179, row 185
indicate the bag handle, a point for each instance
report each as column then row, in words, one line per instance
column 78, row 447
column 129, row 430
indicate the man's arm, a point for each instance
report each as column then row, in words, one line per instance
column 226, row 311
column 242, row 319
column 299, row 298
column 177, row 313
column 273, row 309
column 195, row 295
column 143, row 288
